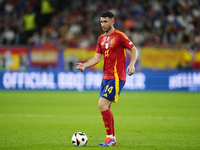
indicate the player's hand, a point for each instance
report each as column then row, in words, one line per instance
column 80, row 66
column 130, row 70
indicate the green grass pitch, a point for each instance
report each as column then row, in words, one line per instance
column 46, row 120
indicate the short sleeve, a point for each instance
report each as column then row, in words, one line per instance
column 126, row 42
column 98, row 47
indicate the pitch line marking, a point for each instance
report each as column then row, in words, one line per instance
column 68, row 116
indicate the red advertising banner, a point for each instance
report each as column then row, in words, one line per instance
column 13, row 58
column 44, row 56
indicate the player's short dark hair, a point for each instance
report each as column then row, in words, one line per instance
column 107, row 14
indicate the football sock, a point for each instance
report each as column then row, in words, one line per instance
column 113, row 128
column 109, row 136
column 107, row 119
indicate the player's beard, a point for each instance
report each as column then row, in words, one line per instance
column 107, row 29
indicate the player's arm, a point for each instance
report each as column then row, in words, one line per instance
column 134, row 56
column 93, row 61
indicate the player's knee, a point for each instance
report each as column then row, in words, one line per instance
column 103, row 105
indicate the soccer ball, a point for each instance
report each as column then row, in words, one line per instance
column 79, row 139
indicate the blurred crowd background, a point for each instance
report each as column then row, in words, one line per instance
column 169, row 23
column 41, row 41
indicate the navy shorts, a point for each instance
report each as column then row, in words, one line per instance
column 111, row 89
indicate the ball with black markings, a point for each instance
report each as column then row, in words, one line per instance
column 79, row 139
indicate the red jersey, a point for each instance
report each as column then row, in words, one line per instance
column 113, row 47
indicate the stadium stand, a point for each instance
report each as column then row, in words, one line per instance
column 76, row 23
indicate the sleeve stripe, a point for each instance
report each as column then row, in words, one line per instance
column 123, row 34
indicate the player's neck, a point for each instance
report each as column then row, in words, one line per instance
column 110, row 31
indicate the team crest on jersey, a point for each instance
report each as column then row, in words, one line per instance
column 112, row 42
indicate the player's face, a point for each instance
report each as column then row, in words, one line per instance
column 106, row 24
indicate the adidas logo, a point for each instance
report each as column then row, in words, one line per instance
column 105, row 95
column 107, row 128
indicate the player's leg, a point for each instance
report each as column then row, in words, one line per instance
column 107, row 117
column 107, row 95
column 110, row 137
column 109, row 92
column 104, row 104
column 113, row 127
column 112, row 121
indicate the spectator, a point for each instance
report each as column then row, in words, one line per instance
column 46, row 12
column 8, row 35
column 34, row 39
column 29, row 23
column 162, row 23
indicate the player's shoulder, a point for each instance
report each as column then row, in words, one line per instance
column 101, row 36
column 121, row 33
